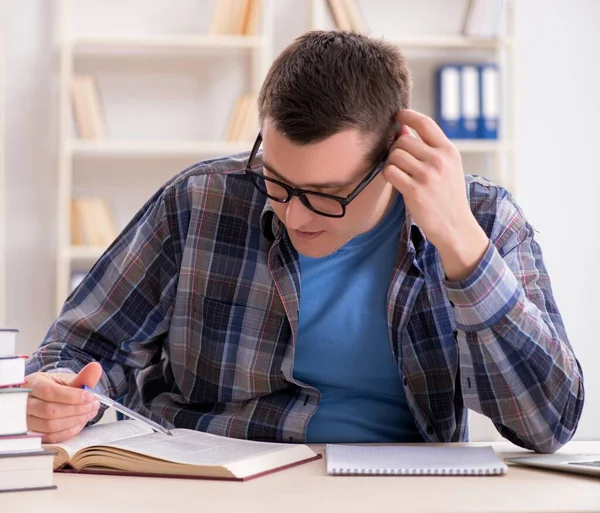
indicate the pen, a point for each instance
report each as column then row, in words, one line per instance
column 126, row 411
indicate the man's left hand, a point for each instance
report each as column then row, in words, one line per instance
column 428, row 173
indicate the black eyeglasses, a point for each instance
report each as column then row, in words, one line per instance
column 320, row 203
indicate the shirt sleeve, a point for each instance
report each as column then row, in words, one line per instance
column 517, row 365
column 120, row 312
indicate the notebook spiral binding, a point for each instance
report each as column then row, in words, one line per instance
column 416, row 472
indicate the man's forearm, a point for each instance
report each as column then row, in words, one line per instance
column 517, row 366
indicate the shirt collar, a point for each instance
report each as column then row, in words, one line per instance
column 270, row 224
column 414, row 235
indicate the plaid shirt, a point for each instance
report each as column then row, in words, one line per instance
column 193, row 314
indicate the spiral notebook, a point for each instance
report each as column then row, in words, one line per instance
column 413, row 460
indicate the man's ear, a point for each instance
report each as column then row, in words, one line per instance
column 401, row 130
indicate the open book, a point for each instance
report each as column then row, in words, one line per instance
column 131, row 447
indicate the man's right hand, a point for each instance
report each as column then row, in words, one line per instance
column 57, row 407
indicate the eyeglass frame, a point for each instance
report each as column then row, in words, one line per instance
column 301, row 193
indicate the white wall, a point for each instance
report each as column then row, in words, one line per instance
column 558, row 137
column 559, row 53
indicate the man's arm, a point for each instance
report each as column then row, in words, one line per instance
column 119, row 312
column 517, row 366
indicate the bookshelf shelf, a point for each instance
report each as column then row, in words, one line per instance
column 482, row 146
column 207, row 149
column 96, row 44
column 451, row 42
column 135, row 149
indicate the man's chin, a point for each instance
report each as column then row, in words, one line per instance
column 313, row 249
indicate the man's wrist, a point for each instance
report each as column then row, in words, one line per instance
column 462, row 251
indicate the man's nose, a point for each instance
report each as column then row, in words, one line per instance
column 297, row 215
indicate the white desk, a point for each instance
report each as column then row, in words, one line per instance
column 307, row 489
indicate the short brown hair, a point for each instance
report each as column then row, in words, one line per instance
column 328, row 81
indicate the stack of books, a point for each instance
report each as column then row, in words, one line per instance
column 24, row 464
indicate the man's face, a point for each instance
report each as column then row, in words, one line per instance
column 333, row 166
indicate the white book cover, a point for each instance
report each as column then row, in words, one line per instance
column 425, row 459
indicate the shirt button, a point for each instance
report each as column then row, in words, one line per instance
column 290, row 438
column 451, row 304
column 405, row 382
column 429, row 430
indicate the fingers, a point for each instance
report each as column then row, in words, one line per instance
column 404, row 161
column 55, row 408
column 399, row 179
column 50, row 410
column 61, row 436
column 45, row 388
column 426, row 128
column 89, row 376
column 57, row 425
column 416, row 148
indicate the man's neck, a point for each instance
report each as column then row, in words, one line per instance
column 385, row 204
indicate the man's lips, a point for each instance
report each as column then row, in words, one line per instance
column 307, row 235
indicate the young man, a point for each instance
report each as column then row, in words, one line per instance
column 346, row 284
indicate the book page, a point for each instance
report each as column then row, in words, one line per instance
column 102, row 434
column 197, row 448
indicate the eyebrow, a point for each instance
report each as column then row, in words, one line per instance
column 323, row 185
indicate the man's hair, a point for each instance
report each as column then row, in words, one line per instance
column 328, row 81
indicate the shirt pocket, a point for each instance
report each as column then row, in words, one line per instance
column 240, row 350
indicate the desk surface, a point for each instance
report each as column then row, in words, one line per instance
column 307, row 488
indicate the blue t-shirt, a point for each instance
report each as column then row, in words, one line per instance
column 343, row 347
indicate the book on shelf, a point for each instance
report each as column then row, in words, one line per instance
column 92, row 222
column 486, row 19
column 87, row 108
column 468, row 100
column 24, row 463
column 243, row 121
column 130, row 447
column 346, row 15
column 236, row 18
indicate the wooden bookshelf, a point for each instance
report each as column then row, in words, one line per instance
column 250, row 36
column 161, row 149
column 451, row 42
column 168, row 43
